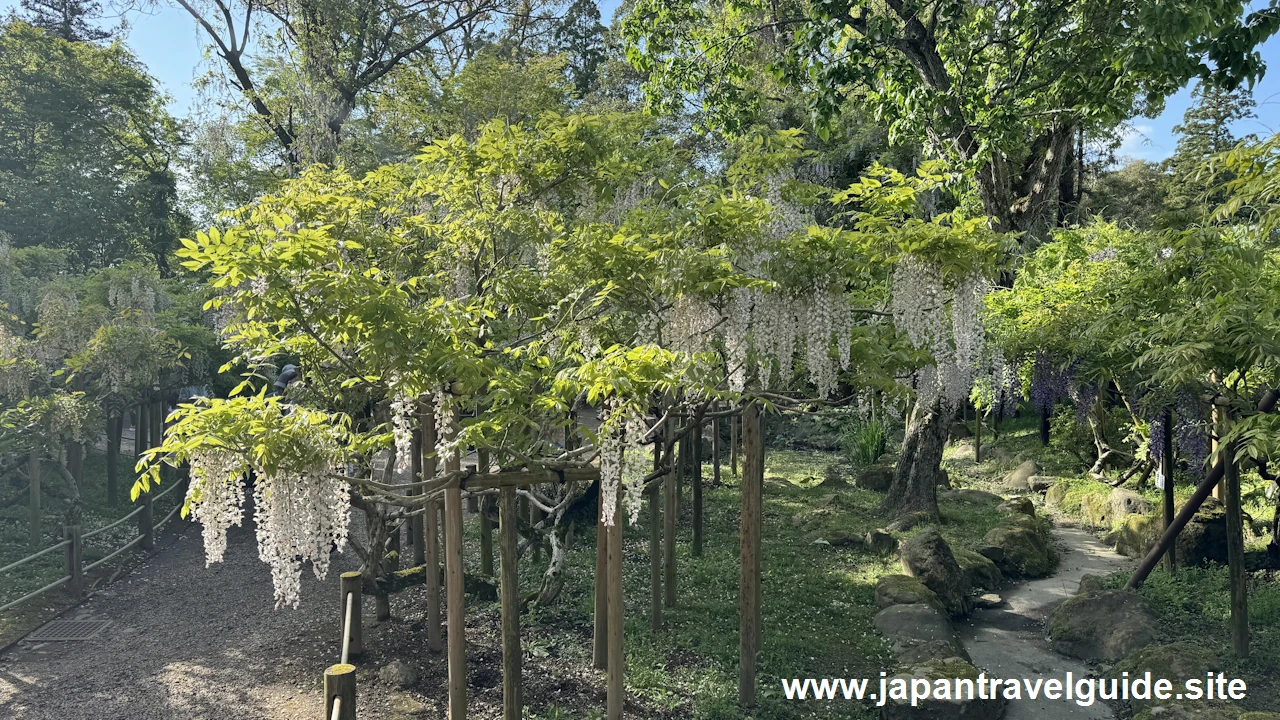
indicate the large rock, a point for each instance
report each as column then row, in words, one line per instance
column 929, row 559
column 948, row 670
column 1056, row 495
column 918, row 633
column 1123, row 502
column 836, row 475
column 398, row 673
column 1095, row 510
column 876, row 478
column 1018, row 506
column 959, row 431
column 880, row 540
column 1020, row 547
column 1204, row 539
column 1176, row 662
column 1103, row 626
column 904, row 590
column 1017, row 480
column 1135, row 535
column 1041, row 483
column 978, row 569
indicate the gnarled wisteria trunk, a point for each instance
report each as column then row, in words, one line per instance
column 915, row 484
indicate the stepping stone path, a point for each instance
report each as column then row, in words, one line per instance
column 1009, row 641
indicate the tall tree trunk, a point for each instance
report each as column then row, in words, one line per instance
column 915, row 484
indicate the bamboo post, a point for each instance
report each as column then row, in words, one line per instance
column 749, row 556
column 695, row 481
column 431, row 530
column 75, row 558
column 614, row 680
column 512, row 703
column 349, row 584
column 1235, row 550
column 33, row 471
column 600, row 631
column 454, row 585
column 715, row 451
column 669, row 524
column 655, row 545
column 340, row 689
column 1166, row 469
column 733, row 443
column 454, row 591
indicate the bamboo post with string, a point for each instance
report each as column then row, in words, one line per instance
column 454, row 583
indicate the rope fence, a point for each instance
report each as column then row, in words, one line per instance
column 340, row 679
column 74, row 545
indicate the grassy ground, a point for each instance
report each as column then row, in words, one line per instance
column 15, row 539
column 818, row 601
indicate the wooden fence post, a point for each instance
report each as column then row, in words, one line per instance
column 454, row 599
column 75, row 558
column 340, row 687
column 600, row 631
column 349, row 584
column 416, row 525
column 616, row 692
column 33, row 471
column 749, row 556
column 695, row 480
column 512, row 702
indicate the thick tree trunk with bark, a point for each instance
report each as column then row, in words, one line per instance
column 915, row 484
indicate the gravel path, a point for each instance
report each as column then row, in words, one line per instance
column 184, row 642
column 1009, row 641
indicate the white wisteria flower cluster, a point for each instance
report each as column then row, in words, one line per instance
column 946, row 322
column 624, row 463
column 300, row 517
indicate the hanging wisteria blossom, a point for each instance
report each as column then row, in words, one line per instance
column 624, row 463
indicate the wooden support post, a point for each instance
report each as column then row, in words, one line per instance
column 733, row 443
column 669, row 526
column 715, row 452
column 486, row 536
column 600, row 630
column 416, row 524
column 1044, row 427
column 512, row 702
column 616, row 693
column 695, row 481
column 454, row 598
column 157, row 422
column 977, row 436
column 1235, row 550
column 75, row 558
column 1166, row 470
column 33, row 472
column 349, row 584
column 115, row 426
column 682, row 471
column 749, row 555
column 146, row 521
column 431, row 529
column 535, row 517
column 655, row 544
column 340, row 687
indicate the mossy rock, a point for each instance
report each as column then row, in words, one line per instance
column 1091, row 583
column 1095, row 510
column 927, row 557
column 1056, row 496
column 876, row 478
column 1103, row 626
column 978, row 568
column 904, row 590
column 1018, row 506
column 1016, row 480
column 918, row 633
column 1020, row 547
column 1259, row 716
column 1135, row 534
column 1177, row 662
